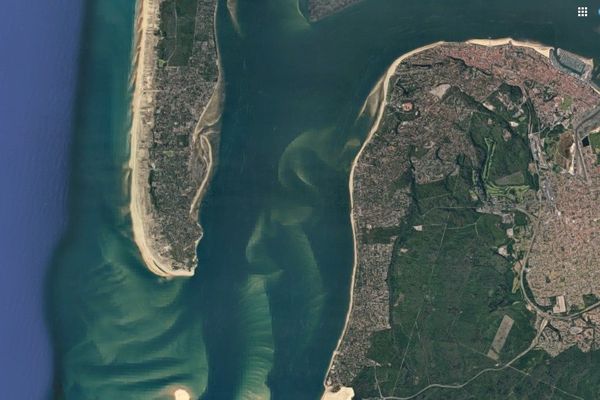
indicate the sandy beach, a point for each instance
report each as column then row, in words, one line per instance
column 203, row 138
column 540, row 48
column 377, row 100
column 378, row 97
column 145, row 41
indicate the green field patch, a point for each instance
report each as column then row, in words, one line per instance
column 566, row 103
column 521, row 219
column 551, row 138
column 176, row 30
column 590, row 299
column 382, row 234
column 403, row 181
column 595, row 141
column 505, row 159
column 514, row 179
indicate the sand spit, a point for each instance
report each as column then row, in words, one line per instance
column 378, row 99
column 146, row 21
column 147, row 231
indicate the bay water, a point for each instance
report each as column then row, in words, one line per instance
column 265, row 309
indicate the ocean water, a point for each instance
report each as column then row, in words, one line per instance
column 263, row 314
column 120, row 332
column 40, row 45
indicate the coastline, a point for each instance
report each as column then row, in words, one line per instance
column 210, row 120
column 146, row 17
column 539, row 47
column 381, row 88
column 207, row 128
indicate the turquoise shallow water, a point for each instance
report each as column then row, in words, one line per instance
column 120, row 333
column 266, row 307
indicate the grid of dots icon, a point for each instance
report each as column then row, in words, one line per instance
column 582, row 11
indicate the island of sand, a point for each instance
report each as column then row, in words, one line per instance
column 319, row 9
column 476, row 228
column 176, row 120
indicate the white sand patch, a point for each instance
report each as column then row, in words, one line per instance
column 345, row 393
column 181, row 394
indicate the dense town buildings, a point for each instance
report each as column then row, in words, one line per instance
column 455, row 107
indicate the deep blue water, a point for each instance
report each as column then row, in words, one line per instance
column 39, row 44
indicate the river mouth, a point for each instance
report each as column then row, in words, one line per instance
column 267, row 305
